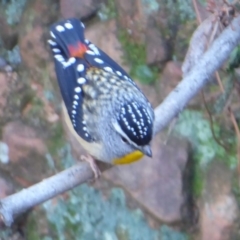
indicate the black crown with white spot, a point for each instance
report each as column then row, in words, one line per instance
column 136, row 123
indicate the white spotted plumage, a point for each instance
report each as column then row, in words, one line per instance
column 77, row 89
column 56, row 50
column 95, row 50
column 98, row 60
column 80, row 67
column 81, row 80
column 101, row 99
column 68, row 25
column 52, row 43
column 60, row 28
column 52, row 35
column 109, row 69
column 90, row 52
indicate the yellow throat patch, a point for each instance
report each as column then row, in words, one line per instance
column 129, row 158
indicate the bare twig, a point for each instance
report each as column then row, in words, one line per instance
column 211, row 123
column 198, row 16
column 17, row 203
column 219, row 82
column 236, row 128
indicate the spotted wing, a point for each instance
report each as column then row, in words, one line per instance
column 70, row 32
column 70, row 71
column 74, row 55
column 98, row 58
column 67, row 33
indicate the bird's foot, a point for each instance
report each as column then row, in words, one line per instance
column 93, row 165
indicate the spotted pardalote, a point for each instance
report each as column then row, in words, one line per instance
column 104, row 108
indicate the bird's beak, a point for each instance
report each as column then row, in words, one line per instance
column 147, row 151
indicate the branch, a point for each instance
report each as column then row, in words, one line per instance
column 20, row 202
column 199, row 75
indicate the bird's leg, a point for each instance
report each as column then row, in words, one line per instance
column 93, row 165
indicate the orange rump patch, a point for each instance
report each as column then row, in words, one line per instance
column 77, row 50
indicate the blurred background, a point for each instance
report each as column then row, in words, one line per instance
column 188, row 190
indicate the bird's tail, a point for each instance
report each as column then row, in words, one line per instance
column 67, row 38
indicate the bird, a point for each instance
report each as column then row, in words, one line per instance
column 103, row 107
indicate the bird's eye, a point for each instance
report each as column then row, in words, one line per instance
column 124, row 139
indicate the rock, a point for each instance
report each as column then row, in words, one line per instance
column 5, row 188
column 38, row 64
column 4, row 91
column 27, row 151
column 79, row 8
column 151, row 92
column 3, row 63
column 156, row 48
column 33, row 49
column 219, row 208
column 156, row 183
column 33, row 34
column 8, row 86
column 131, row 18
column 104, row 36
column 21, row 139
column 9, row 35
column 4, row 153
column 170, row 77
